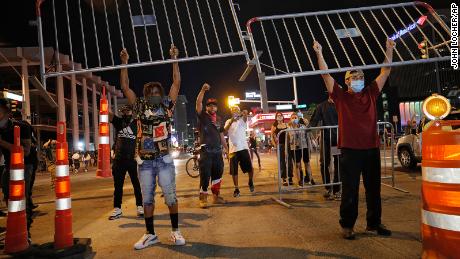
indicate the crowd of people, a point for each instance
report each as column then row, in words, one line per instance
column 143, row 148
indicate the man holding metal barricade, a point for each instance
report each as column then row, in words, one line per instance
column 154, row 113
column 359, row 142
column 326, row 113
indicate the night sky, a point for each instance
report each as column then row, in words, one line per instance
column 221, row 74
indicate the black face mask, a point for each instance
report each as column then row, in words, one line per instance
column 127, row 118
column 154, row 100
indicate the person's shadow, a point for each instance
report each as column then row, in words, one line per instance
column 203, row 250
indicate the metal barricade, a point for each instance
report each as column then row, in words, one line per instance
column 94, row 31
column 353, row 38
column 328, row 140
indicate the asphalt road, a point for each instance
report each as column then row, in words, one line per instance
column 251, row 226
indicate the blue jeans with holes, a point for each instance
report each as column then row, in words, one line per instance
column 161, row 168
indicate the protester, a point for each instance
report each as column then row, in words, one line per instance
column 305, row 151
column 212, row 142
column 86, row 160
column 239, row 150
column 253, row 148
column 124, row 153
column 326, row 113
column 154, row 114
column 50, row 156
column 6, row 145
column 298, row 147
column 76, row 157
column 280, row 145
column 358, row 141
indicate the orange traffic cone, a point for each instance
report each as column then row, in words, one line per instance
column 16, row 224
column 103, row 164
column 63, row 236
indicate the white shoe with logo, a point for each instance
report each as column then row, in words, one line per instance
column 140, row 211
column 116, row 214
column 177, row 238
column 145, row 241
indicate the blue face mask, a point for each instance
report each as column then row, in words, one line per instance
column 357, row 85
column 296, row 121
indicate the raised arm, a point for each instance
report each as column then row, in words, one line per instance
column 328, row 79
column 124, row 80
column 199, row 98
column 385, row 71
column 175, row 87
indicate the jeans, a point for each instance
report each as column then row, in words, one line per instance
column 325, row 161
column 352, row 163
column 163, row 169
column 119, row 169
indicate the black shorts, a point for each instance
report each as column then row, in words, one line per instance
column 242, row 158
column 297, row 155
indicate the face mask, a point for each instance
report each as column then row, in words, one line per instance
column 357, row 85
column 3, row 122
column 154, row 100
column 295, row 121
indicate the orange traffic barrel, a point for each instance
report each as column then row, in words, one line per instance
column 16, row 223
column 441, row 190
column 104, row 169
column 63, row 236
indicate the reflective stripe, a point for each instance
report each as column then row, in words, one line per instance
column 62, row 170
column 103, row 118
column 16, row 174
column 16, row 206
column 441, row 175
column 63, row 204
column 442, row 221
column 103, row 140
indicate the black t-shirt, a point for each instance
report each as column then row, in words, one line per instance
column 252, row 142
column 7, row 134
column 209, row 130
column 125, row 145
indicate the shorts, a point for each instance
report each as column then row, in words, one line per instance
column 163, row 169
column 300, row 154
column 242, row 158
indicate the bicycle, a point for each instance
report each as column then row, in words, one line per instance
column 192, row 166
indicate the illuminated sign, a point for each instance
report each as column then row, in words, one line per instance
column 412, row 26
column 301, row 106
column 253, row 95
column 284, row 107
column 12, row 96
column 267, row 117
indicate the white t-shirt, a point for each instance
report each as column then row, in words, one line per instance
column 237, row 135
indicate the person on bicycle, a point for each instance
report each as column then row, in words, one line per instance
column 212, row 142
column 239, row 149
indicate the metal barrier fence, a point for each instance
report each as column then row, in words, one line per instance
column 94, row 31
column 327, row 134
column 352, row 39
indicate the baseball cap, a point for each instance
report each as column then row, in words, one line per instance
column 211, row 101
column 350, row 72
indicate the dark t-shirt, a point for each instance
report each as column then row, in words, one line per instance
column 154, row 134
column 209, row 130
column 357, row 117
column 327, row 114
column 252, row 142
column 7, row 134
column 125, row 145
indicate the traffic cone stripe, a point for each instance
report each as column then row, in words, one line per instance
column 441, row 175
column 62, row 170
column 16, row 174
column 16, row 206
column 103, row 140
column 441, row 220
column 63, row 204
column 104, row 118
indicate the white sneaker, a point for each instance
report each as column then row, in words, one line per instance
column 177, row 238
column 116, row 214
column 140, row 211
column 145, row 241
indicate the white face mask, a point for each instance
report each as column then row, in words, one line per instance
column 357, row 85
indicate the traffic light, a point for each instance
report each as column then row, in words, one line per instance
column 423, row 47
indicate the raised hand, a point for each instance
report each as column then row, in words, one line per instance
column 173, row 51
column 206, row 87
column 124, row 56
column 317, row 47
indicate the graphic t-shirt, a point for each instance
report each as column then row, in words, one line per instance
column 125, row 145
column 154, row 123
column 210, row 128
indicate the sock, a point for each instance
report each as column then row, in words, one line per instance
column 174, row 221
column 149, row 225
